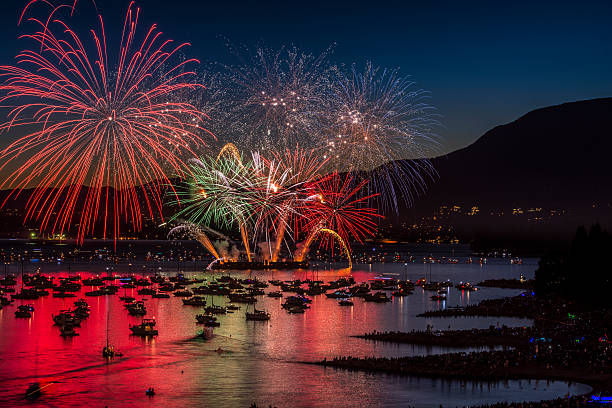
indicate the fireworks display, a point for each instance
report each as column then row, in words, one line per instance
column 112, row 129
column 371, row 122
column 263, row 198
column 381, row 127
column 275, row 98
column 323, row 142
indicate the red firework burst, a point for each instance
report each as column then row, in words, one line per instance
column 335, row 202
column 112, row 130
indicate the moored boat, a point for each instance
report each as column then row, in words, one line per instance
column 145, row 328
column 24, row 311
column 260, row 315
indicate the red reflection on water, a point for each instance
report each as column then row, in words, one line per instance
column 256, row 357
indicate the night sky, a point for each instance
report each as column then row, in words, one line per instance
column 485, row 63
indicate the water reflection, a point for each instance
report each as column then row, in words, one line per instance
column 257, row 363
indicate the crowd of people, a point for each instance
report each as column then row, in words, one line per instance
column 565, row 343
column 582, row 401
column 493, row 336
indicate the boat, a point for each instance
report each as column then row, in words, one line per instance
column 136, row 308
column 63, row 294
column 24, row 311
column 146, row 291
column 275, row 282
column 127, row 299
column 9, row 280
column 68, row 331
column 27, row 294
column 207, row 320
column 66, row 317
column 276, row 294
column 109, row 351
column 161, row 296
column 232, row 307
column 378, row 297
column 241, row 298
column 81, row 303
column 95, row 293
column 183, row 293
column 145, row 328
column 260, row 315
column 466, row 286
column 157, row 279
column 215, row 309
column 194, row 301
column 93, row 282
column 438, row 297
column 345, row 302
column 296, row 309
column 340, row 294
column 33, row 391
column 432, row 286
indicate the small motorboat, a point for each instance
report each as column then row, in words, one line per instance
column 467, row 286
column 215, row 309
column 110, row 352
column 24, row 311
column 438, row 297
column 345, row 302
column 66, row 317
column 68, row 331
column 33, row 391
column 296, row 309
column 207, row 320
column 146, row 328
column 260, row 315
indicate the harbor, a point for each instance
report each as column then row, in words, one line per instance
column 187, row 361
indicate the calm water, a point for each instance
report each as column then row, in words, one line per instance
column 259, row 359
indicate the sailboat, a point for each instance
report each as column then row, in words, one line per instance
column 109, row 351
column 260, row 315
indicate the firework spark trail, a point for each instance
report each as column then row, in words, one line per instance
column 220, row 193
column 372, row 122
column 276, row 98
column 305, row 247
column 111, row 130
column 304, row 168
column 381, row 126
column 339, row 205
column 194, row 231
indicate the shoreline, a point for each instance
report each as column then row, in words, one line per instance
column 482, row 373
column 507, row 284
column 566, row 343
column 491, row 337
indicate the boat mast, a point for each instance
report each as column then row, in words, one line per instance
column 107, row 317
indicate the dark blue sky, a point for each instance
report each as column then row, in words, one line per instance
column 485, row 63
